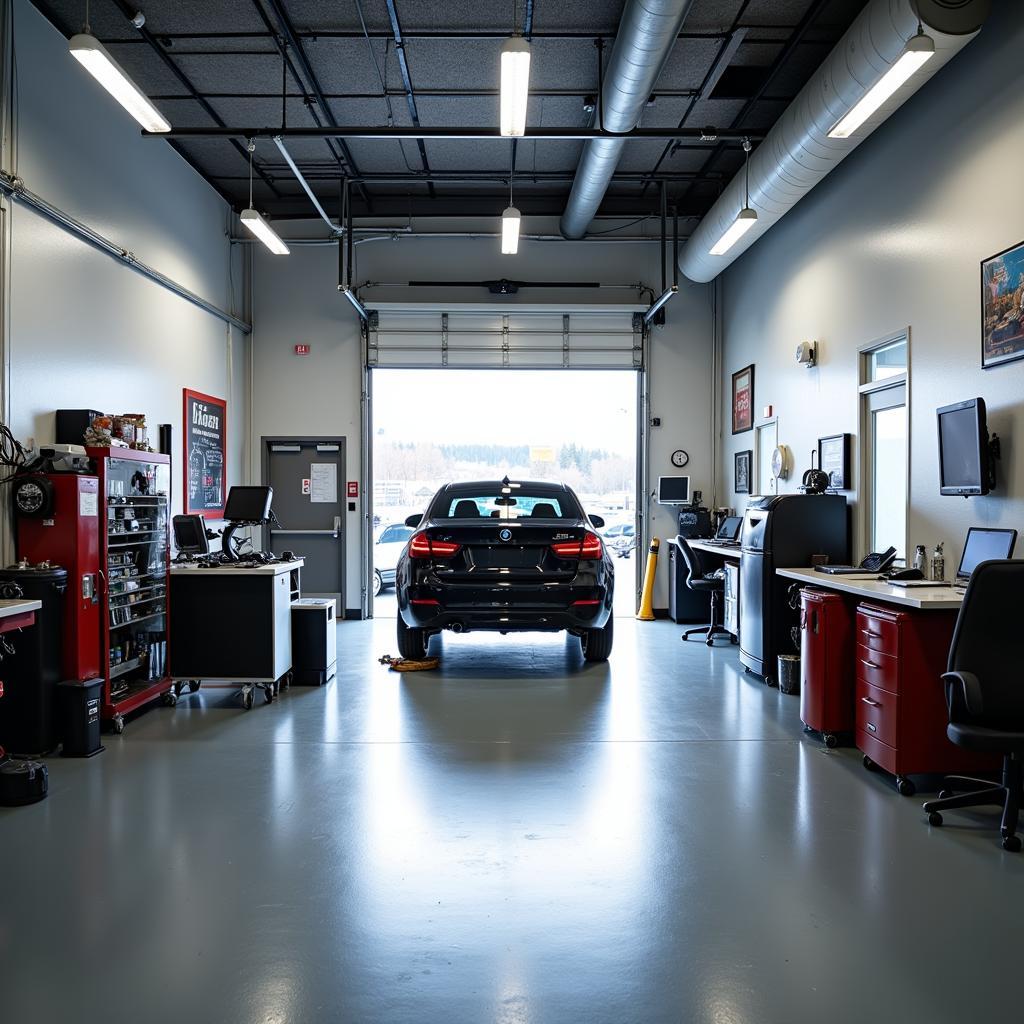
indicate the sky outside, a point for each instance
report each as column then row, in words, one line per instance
column 595, row 408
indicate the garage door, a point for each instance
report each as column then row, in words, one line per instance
column 523, row 340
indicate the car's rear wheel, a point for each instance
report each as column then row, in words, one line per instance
column 597, row 643
column 412, row 643
column 378, row 582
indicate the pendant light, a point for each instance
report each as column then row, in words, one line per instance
column 93, row 56
column 515, row 83
column 254, row 221
column 510, row 222
column 919, row 49
column 745, row 219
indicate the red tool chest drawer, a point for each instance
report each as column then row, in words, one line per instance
column 878, row 629
column 877, row 712
column 878, row 669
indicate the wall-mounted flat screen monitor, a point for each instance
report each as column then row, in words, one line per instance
column 963, row 448
column 673, row 490
column 248, row 504
column 190, row 535
column 981, row 546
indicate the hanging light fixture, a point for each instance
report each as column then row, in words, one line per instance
column 515, row 82
column 510, row 220
column 919, row 49
column 93, row 56
column 254, row 221
column 745, row 219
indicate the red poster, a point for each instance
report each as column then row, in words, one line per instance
column 743, row 400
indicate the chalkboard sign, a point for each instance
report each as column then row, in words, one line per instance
column 205, row 454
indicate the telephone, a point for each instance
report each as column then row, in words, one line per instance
column 879, row 561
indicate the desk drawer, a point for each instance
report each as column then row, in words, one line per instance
column 877, row 669
column 879, row 632
column 877, row 712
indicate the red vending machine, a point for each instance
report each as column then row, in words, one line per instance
column 68, row 534
column 826, row 664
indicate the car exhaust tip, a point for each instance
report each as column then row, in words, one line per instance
column 457, row 627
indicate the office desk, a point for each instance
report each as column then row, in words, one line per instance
column 233, row 625
column 900, row 644
column 729, row 552
column 726, row 557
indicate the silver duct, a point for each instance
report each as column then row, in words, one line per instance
column 647, row 33
column 797, row 153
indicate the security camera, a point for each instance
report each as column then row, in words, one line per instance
column 139, row 20
column 807, row 353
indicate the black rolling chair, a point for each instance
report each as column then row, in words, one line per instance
column 712, row 583
column 985, row 693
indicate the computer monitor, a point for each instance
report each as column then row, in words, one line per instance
column 673, row 490
column 982, row 545
column 730, row 528
column 190, row 535
column 964, row 461
column 248, row 504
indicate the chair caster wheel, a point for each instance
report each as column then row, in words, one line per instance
column 1011, row 844
column 934, row 818
column 170, row 699
column 904, row 786
column 831, row 740
column 118, row 723
column 868, row 763
column 710, row 642
column 945, row 794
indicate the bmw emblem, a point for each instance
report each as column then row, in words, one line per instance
column 505, row 534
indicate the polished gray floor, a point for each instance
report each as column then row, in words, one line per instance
column 515, row 838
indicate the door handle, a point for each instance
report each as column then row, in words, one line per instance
column 870, row 702
column 870, row 664
column 337, row 525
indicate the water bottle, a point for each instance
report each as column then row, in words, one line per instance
column 938, row 566
column 921, row 559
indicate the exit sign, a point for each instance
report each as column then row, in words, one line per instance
column 302, row 350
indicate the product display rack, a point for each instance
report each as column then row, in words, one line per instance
column 134, row 517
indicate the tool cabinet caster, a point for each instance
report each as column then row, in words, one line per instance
column 1011, row 844
column 831, row 740
column 193, row 685
column 170, row 698
column 247, row 698
column 808, row 728
column 268, row 694
column 868, row 763
column 286, row 681
column 178, row 687
column 904, row 786
column 934, row 818
column 118, row 723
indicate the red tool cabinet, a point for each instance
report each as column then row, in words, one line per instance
column 826, row 663
column 901, row 713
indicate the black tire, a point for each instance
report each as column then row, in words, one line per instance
column 412, row 643
column 597, row 643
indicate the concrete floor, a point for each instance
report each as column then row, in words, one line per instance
column 516, row 838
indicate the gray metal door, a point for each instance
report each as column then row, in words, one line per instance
column 308, row 477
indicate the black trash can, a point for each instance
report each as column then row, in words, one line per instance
column 28, row 723
column 789, row 673
column 79, row 705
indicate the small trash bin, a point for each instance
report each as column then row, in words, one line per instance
column 789, row 673
column 80, row 717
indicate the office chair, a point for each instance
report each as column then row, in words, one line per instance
column 703, row 583
column 985, row 693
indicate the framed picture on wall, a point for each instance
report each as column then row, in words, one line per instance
column 742, row 464
column 834, row 459
column 1002, row 307
column 743, row 400
column 204, row 455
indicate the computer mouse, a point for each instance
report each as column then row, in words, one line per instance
column 909, row 573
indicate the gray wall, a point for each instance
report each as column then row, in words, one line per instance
column 85, row 331
column 296, row 301
column 891, row 239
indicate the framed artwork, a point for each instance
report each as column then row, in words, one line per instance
column 742, row 464
column 743, row 400
column 204, row 430
column 1002, row 307
column 834, row 459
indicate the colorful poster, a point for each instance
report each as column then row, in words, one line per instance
column 205, row 454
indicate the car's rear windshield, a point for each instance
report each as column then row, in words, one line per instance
column 521, row 503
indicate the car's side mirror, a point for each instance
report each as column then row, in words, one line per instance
column 598, row 522
column 414, row 521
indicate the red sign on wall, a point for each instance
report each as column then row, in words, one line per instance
column 302, row 350
column 353, row 488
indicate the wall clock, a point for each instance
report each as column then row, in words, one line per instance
column 680, row 458
column 780, row 462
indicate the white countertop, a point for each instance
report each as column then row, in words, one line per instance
column 17, row 606
column 721, row 550
column 188, row 568
column 926, row 598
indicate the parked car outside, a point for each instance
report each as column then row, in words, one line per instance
column 386, row 550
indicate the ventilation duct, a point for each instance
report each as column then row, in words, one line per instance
column 647, row 33
column 797, row 153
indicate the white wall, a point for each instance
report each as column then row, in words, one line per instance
column 86, row 331
column 893, row 238
column 296, row 301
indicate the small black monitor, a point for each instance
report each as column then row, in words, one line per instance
column 964, row 461
column 190, row 535
column 730, row 528
column 981, row 546
column 673, row 490
column 248, row 504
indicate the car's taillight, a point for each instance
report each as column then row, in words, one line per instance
column 587, row 547
column 423, row 546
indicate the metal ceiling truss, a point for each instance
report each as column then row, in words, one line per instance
column 567, row 134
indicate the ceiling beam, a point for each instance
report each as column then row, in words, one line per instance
column 707, row 134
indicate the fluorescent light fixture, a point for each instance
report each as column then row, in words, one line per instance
column 510, row 231
column 914, row 55
column 744, row 221
column 515, row 85
column 93, row 56
column 264, row 232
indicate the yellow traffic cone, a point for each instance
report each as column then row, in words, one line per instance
column 646, row 613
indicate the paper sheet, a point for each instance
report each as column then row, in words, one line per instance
column 324, row 486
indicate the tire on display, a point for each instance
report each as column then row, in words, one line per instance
column 597, row 643
column 378, row 582
column 412, row 643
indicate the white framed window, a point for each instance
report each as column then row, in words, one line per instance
column 885, row 443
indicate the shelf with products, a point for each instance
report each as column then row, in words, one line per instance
column 136, row 590
column 135, row 604
column 138, row 618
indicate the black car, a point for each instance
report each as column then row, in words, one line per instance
column 505, row 556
